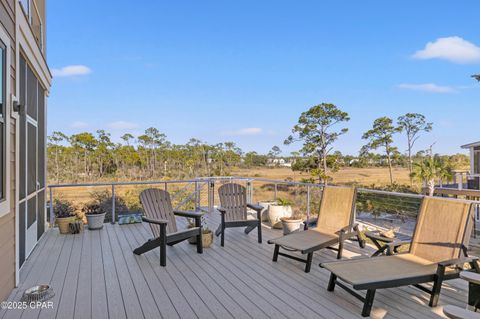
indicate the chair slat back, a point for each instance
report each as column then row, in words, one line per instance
column 443, row 225
column 337, row 209
column 233, row 198
column 158, row 205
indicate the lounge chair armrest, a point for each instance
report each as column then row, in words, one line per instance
column 255, row 207
column 154, row 221
column 188, row 214
column 222, row 210
column 459, row 262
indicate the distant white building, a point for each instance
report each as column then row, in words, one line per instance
column 279, row 162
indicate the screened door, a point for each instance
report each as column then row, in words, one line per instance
column 32, row 161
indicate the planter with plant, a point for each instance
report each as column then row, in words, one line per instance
column 95, row 215
column 292, row 223
column 282, row 208
column 207, row 234
column 64, row 215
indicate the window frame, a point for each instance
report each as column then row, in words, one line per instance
column 6, row 151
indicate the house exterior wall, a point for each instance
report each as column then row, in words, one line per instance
column 7, row 221
column 15, row 24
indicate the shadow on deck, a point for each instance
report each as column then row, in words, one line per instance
column 96, row 275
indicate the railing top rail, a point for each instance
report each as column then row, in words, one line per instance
column 123, row 183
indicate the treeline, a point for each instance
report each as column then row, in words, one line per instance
column 92, row 157
column 88, row 157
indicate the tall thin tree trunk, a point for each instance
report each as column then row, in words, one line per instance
column 389, row 160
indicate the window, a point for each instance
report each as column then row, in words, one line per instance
column 3, row 120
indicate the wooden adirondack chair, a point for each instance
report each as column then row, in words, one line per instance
column 161, row 217
column 233, row 201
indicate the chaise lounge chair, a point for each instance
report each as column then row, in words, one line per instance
column 161, row 217
column 437, row 253
column 233, row 201
column 334, row 226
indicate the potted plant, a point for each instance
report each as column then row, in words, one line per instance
column 95, row 215
column 282, row 208
column 291, row 223
column 207, row 234
column 64, row 215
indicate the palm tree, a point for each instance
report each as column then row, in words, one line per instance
column 430, row 169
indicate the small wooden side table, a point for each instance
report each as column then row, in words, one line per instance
column 381, row 242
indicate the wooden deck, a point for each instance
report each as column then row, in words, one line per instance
column 96, row 275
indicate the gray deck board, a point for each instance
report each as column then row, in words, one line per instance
column 96, row 275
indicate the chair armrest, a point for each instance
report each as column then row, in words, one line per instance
column 155, row 221
column 257, row 208
column 459, row 262
column 222, row 210
column 188, row 214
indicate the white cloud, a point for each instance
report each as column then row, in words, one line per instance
column 453, row 49
column 122, row 125
column 244, row 131
column 427, row 87
column 78, row 124
column 71, row 70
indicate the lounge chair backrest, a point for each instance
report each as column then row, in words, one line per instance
column 158, row 205
column 233, row 198
column 443, row 225
column 336, row 208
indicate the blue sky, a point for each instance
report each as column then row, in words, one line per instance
column 245, row 70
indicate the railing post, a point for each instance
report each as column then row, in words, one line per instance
column 249, row 191
column 113, row 203
column 166, row 188
column 211, row 195
column 197, row 197
column 308, row 204
column 275, row 193
column 52, row 212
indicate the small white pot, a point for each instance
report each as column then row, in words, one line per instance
column 276, row 212
column 291, row 225
column 95, row 221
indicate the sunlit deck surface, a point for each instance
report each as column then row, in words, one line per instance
column 96, row 275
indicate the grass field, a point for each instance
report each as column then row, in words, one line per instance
column 377, row 176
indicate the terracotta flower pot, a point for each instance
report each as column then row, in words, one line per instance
column 64, row 224
column 276, row 212
column 291, row 225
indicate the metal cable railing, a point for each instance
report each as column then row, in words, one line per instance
column 373, row 206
